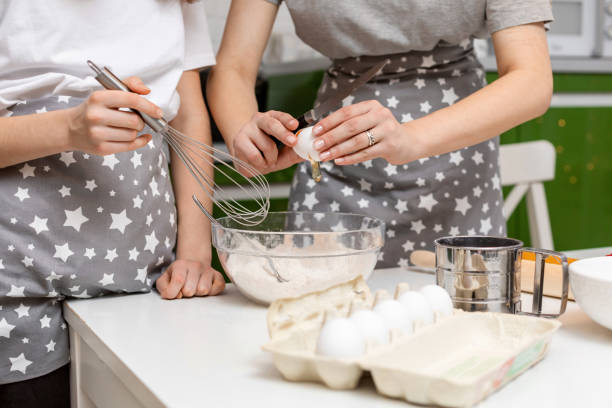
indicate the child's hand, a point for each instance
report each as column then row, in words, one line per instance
column 189, row 278
column 97, row 126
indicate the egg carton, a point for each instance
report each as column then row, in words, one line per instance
column 455, row 362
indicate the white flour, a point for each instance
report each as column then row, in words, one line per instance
column 316, row 268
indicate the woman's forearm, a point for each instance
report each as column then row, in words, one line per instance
column 232, row 101
column 516, row 97
column 29, row 137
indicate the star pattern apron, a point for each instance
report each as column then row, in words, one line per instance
column 450, row 194
column 75, row 225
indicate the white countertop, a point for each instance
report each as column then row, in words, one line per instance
column 207, row 352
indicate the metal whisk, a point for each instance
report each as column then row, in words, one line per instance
column 194, row 154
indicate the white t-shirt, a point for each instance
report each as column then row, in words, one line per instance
column 45, row 45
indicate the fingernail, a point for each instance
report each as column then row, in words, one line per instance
column 317, row 130
column 325, row 155
column 318, row 144
column 291, row 139
column 339, row 160
column 159, row 112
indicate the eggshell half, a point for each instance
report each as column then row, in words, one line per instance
column 304, row 147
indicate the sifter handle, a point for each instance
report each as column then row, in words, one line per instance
column 110, row 81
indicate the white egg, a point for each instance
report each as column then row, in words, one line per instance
column 371, row 325
column 304, row 147
column 395, row 315
column 438, row 299
column 340, row 338
column 419, row 308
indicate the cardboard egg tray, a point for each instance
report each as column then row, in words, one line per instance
column 455, row 362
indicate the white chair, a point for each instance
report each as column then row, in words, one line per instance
column 526, row 166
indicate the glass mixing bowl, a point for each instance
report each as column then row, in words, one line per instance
column 292, row 253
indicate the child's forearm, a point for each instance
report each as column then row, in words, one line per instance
column 29, row 137
column 193, row 239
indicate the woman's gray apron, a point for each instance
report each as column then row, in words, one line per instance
column 75, row 225
column 451, row 194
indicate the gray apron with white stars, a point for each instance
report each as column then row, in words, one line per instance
column 75, row 225
column 451, row 194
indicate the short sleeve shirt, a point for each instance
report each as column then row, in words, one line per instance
column 349, row 28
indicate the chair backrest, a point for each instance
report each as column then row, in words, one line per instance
column 527, row 162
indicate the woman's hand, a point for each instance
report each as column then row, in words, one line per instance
column 97, row 126
column 254, row 144
column 189, row 278
column 361, row 132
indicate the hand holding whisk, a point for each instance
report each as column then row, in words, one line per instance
column 195, row 155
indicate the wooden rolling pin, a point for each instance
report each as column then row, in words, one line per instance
column 553, row 273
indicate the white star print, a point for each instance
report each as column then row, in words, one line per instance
column 5, row 328
column 367, row 164
column 439, row 176
column 45, row 322
column 50, row 346
column 456, row 158
column 53, row 276
column 27, row 171
column 388, row 185
column 485, row 226
column 13, row 220
column 153, row 186
column 1, row 266
column 454, row 231
column 39, row 224
column 456, row 73
column 136, row 159
column 22, row 194
column 16, row 291
column 477, row 157
column 119, row 221
column 425, row 107
column 471, row 231
column 42, row 110
column 339, row 227
column 27, row 261
column 390, row 169
column 90, row 185
column 449, row 96
column 107, row 279
column 63, row 252
column 151, row 242
column 419, row 83
column 67, row 158
column 392, row 102
column 347, row 191
column 299, row 220
column 491, row 145
column 417, row 226
column 390, row 233
column 437, row 228
column 149, row 220
column 110, row 161
column 465, row 43
column 495, row 180
column 25, row 340
column 171, row 219
column 310, row 183
column 334, row 206
column 85, row 156
column 19, row 363
column 133, row 254
column 75, row 218
column 442, row 81
column 22, row 311
column 83, row 294
column 141, row 274
column 167, row 243
column 11, row 248
column 363, row 203
column 462, row 205
column 348, row 100
column 111, row 193
column 477, row 191
column 401, row 206
column 406, row 117
column 310, row 200
column 402, row 263
column 428, row 61
column 160, row 261
column 485, row 208
column 75, row 288
column 111, row 254
column 420, row 182
column 64, row 191
column 89, row 253
column 427, row 202
column 364, row 185
column 408, row 246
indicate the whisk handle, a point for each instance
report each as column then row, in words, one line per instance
column 110, row 81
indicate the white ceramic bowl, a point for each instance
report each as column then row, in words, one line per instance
column 591, row 281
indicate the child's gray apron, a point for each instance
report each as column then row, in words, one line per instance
column 75, row 225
